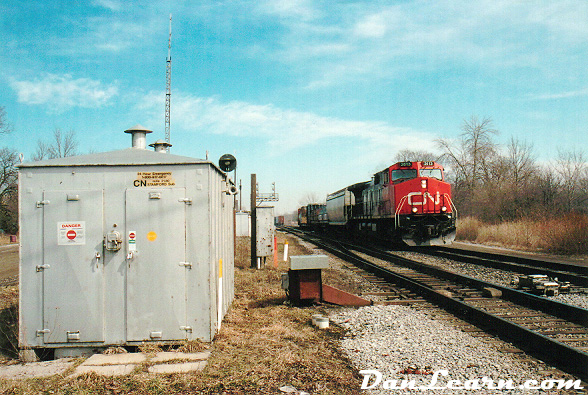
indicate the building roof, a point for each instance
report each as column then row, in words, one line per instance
column 125, row 157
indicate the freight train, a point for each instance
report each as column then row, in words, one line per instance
column 408, row 201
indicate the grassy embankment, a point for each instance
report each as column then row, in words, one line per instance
column 567, row 234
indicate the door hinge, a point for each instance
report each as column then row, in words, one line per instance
column 41, row 332
column 187, row 264
column 42, row 267
column 41, row 203
column 185, row 200
column 186, row 328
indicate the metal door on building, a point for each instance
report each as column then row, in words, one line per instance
column 72, row 270
column 156, row 264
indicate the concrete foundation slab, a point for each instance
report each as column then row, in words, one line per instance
column 35, row 369
column 110, row 365
column 115, row 359
column 170, row 356
column 177, row 367
column 105, row 370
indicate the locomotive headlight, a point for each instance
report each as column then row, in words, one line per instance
column 414, row 209
column 444, row 209
column 424, row 184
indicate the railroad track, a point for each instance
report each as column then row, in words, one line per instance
column 575, row 274
column 552, row 331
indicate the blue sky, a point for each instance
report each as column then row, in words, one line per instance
column 312, row 95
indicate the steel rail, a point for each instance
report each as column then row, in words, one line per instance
column 567, row 358
column 575, row 274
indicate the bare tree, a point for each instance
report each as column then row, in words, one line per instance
column 5, row 127
column 572, row 171
column 418, row 155
column 520, row 162
column 63, row 145
column 477, row 136
column 456, row 155
column 42, row 151
column 311, row 198
column 8, row 189
column 472, row 153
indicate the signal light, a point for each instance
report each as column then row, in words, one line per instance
column 444, row 209
column 424, row 184
column 414, row 209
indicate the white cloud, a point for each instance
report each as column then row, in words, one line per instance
column 371, row 26
column 61, row 92
column 112, row 5
column 284, row 128
column 384, row 41
column 291, row 9
column 561, row 95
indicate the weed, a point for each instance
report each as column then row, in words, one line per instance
column 567, row 234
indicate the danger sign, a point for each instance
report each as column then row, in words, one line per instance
column 71, row 233
column 132, row 240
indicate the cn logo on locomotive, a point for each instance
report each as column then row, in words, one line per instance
column 425, row 196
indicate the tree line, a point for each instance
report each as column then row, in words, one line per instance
column 61, row 145
column 492, row 182
column 504, row 182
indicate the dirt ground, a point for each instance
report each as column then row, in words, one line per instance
column 8, row 261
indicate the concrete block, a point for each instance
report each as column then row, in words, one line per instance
column 35, row 369
column 177, row 367
column 114, row 359
column 106, row 370
column 300, row 262
column 28, row 355
column 182, row 356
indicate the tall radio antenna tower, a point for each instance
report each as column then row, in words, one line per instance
column 168, row 86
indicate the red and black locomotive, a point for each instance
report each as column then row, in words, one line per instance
column 408, row 201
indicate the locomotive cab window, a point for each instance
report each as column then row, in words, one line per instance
column 403, row 174
column 432, row 173
column 381, row 178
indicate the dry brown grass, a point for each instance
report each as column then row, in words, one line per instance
column 263, row 344
column 567, row 234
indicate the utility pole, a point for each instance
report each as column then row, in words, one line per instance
column 168, row 86
column 253, row 221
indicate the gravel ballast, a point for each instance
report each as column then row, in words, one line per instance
column 398, row 340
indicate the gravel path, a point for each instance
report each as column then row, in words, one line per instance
column 398, row 340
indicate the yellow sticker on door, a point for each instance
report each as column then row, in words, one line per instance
column 151, row 236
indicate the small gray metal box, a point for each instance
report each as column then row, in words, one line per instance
column 265, row 231
column 301, row 262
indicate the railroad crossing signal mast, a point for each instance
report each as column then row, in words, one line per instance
column 168, row 86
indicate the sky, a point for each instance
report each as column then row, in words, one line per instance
column 311, row 95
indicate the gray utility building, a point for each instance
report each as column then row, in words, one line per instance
column 123, row 247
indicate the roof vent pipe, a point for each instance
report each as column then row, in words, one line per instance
column 139, row 134
column 160, row 146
